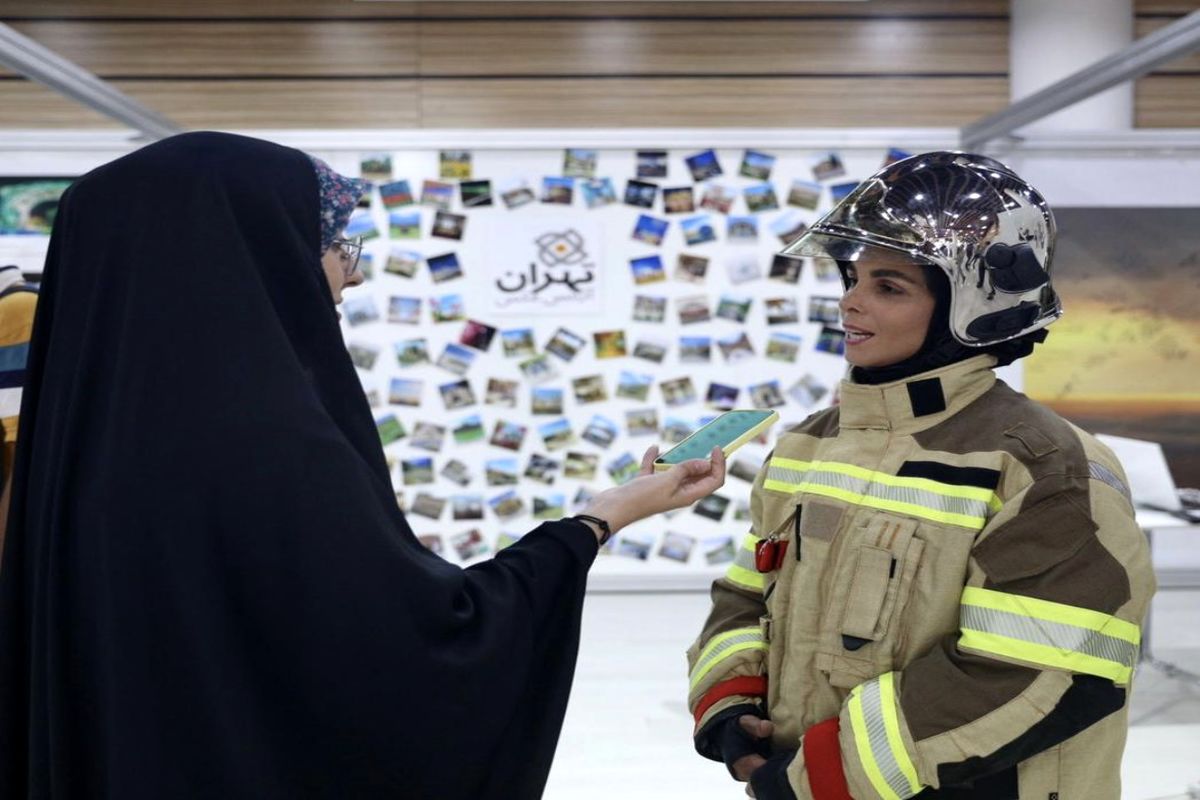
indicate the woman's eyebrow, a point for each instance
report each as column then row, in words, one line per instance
column 892, row 273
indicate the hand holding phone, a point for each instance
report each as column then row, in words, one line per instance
column 729, row 432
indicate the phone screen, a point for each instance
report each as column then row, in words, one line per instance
column 722, row 431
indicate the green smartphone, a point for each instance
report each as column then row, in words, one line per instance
column 729, row 431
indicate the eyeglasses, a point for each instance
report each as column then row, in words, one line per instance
column 349, row 251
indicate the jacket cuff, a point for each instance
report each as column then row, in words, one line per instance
column 823, row 759
column 707, row 743
column 746, row 685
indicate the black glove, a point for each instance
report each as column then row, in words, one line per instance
column 770, row 781
column 723, row 738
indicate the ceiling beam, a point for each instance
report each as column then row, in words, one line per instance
column 1179, row 38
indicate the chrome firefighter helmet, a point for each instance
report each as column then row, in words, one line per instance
column 986, row 228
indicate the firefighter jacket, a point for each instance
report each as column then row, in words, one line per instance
column 948, row 596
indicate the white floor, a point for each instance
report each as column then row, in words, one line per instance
column 628, row 734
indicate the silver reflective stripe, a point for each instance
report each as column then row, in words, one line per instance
column 1106, row 475
column 745, row 560
column 1052, row 634
column 881, row 750
column 718, row 652
column 900, row 494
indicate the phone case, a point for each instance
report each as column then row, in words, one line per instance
column 729, row 447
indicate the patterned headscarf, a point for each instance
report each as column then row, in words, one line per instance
column 339, row 196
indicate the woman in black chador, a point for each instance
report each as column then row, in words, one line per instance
column 208, row 590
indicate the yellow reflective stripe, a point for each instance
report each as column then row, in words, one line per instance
column 723, row 646
column 875, row 725
column 891, row 722
column 1053, row 612
column 1045, row 655
column 858, row 724
column 874, row 476
column 744, row 577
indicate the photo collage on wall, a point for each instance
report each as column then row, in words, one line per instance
column 500, row 406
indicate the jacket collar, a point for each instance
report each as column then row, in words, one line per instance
column 917, row 402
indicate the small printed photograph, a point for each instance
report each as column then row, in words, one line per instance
column 589, row 389
column 679, row 200
column 456, row 359
column 508, row 435
column 893, row 155
column 475, row 194
column 609, row 344
column 713, row 507
column 516, row 193
column 598, row 192
column 448, row 226
column 648, row 269
column 721, row 396
column 650, row 230
column 734, row 308
column 390, row 429
column 557, row 434
column 786, row 268
column 718, row 197
column 650, row 350
column 501, row 471
column 678, row 391
column 741, row 511
column 719, row 550
column 761, row 198
column 783, row 347
column 703, row 165
column 600, row 431
column 691, row 269
column 457, row 394
column 437, row 194
column 406, row 225
column 828, row 166
column 827, row 270
column 622, row 469
column 744, row 469
column 804, row 194
column 757, row 165
column 373, row 398
column 789, row 227
column 501, row 393
column 839, row 191
column 549, row 506
column 693, row 308
column 447, row 308
column 580, row 466
column 649, row 309
column 366, row 265
column 546, row 400
column 376, row 167
column 416, row 471
column 469, row 429
column 542, row 469
column 432, row 542
column 507, row 505
column 579, row 163
column 537, row 369
column 741, row 230
column 743, row 267
column 675, row 430
column 466, row 506
column 565, row 344
column 402, row 262
column 469, row 544
column 781, row 310
column 676, row 547
column 634, row 385
column 444, row 267
column 652, row 163
column 766, row 395
column 807, row 391
column 695, row 349
column 477, row 334
column 698, row 230
column 640, row 193
column 396, row 194
column 558, row 191
column 455, row 164
column 427, row 436
column 832, row 341
column 736, row 347
column 456, row 472
column 518, row 342
column 506, row 539
column 403, row 392
column 823, row 309
column 410, row 352
column 362, row 223
column 641, row 422
column 362, row 355
column 428, row 505
column 635, row 544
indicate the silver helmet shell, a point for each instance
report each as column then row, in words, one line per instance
column 986, row 228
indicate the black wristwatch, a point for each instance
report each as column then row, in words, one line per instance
column 602, row 524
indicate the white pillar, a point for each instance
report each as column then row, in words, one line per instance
column 1050, row 39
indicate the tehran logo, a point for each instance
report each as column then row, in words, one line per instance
column 559, row 269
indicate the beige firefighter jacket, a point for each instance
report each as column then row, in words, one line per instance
column 963, row 587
